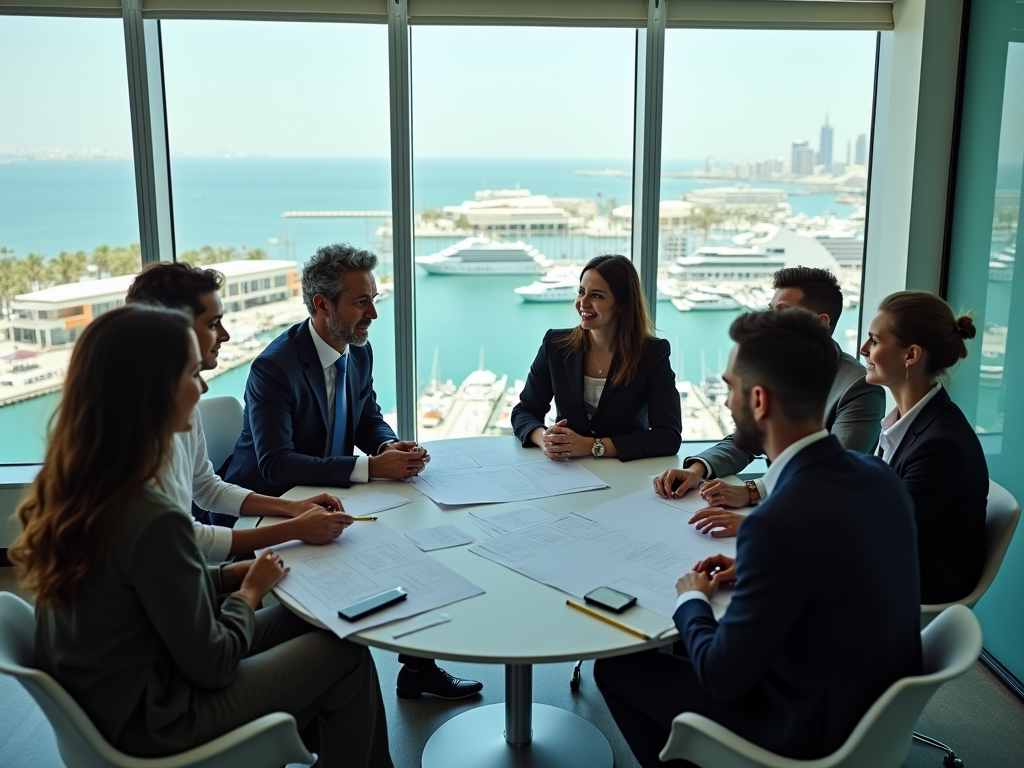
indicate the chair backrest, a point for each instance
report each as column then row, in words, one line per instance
column 80, row 744
column 950, row 645
column 1001, row 517
column 222, row 424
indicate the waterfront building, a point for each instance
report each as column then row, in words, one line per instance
column 511, row 212
column 55, row 316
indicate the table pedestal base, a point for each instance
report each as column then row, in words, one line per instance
column 475, row 739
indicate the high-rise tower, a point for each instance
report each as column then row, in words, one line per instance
column 825, row 151
column 803, row 158
column 861, row 154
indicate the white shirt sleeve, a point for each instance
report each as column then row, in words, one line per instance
column 694, row 459
column 693, row 594
column 214, row 541
column 208, row 491
column 761, row 488
column 361, row 471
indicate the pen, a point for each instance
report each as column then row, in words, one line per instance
column 608, row 620
column 364, row 518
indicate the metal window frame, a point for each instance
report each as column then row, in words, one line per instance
column 148, row 107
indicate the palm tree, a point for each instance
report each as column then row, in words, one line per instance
column 706, row 219
column 102, row 257
column 69, row 267
column 125, row 260
column 12, row 282
column 36, row 270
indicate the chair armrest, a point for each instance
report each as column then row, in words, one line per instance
column 705, row 742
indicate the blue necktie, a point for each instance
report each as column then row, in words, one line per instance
column 340, row 407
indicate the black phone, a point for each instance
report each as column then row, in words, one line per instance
column 369, row 605
column 610, row 598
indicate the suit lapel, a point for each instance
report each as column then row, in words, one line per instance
column 924, row 419
column 609, row 391
column 351, row 392
column 314, row 372
column 815, row 453
column 574, row 366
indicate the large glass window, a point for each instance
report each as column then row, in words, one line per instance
column 68, row 211
column 764, row 165
column 986, row 240
column 522, row 144
column 279, row 137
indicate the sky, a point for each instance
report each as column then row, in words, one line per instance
column 320, row 90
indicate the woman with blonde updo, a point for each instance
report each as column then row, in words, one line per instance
column 926, row 438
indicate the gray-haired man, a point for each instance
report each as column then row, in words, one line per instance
column 309, row 403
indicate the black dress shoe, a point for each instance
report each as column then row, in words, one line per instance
column 413, row 683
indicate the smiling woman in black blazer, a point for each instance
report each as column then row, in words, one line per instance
column 614, row 388
column 927, row 439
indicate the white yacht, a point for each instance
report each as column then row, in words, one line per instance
column 481, row 256
column 717, row 264
column 698, row 300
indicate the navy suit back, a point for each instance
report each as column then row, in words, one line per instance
column 825, row 614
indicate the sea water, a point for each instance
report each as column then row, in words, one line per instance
column 469, row 320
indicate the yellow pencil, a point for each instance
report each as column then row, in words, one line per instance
column 364, row 518
column 608, row 620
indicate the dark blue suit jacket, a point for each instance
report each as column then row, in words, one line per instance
column 642, row 419
column 943, row 465
column 284, row 439
column 825, row 615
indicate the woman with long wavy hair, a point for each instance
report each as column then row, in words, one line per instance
column 127, row 613
column 611, row 378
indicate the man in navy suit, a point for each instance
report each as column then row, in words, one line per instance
column 788, row 666
column 309, row 401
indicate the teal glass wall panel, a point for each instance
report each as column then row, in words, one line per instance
column 986, row 239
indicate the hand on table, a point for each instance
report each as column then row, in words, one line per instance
column 718, row 493
column 395, row 463
column 673, row 483
column 717, row 521
column 560, row 443
column 320, row 526
column 409, row 445
column 322, row 500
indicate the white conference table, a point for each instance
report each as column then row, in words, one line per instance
column 518, row 622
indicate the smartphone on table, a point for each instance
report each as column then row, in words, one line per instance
column 609, row 598
column 371, row 604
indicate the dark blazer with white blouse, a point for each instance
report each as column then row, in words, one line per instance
column 642, row 418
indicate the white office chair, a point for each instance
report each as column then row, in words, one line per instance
column 1002, row 514
column 268, row 742
column 951, row 644
column 222, row 424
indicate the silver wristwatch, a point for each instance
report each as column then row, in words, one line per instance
column 598, row 449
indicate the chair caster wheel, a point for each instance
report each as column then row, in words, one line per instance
column 951, row 761
column 574, row 684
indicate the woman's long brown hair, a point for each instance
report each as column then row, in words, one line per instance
column 635, row 330
column 109, row 436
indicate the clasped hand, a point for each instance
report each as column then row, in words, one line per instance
column 708, row 575
column 560, row 443
column 399, row 461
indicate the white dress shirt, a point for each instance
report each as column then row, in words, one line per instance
column 771, row 477
column 189, row 476
column 328, row 357
column 894, row 426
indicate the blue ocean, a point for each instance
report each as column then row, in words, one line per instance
column 47, row 207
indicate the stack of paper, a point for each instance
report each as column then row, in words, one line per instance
column 367, row 559
column 489, row 470
column 495, row 524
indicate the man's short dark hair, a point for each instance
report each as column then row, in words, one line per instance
column 325, row 272
column 822, row 293
column 175, row 286
column 791, row 354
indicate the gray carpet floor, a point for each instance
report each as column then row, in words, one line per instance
column 976, row 715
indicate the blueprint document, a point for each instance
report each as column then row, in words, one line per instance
column 489, row 470
column 366, row 560
column 634, row 547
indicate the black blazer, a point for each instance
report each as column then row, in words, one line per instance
column 943, row 466
column 826, row 611
column 284, row 427
column 642, row 419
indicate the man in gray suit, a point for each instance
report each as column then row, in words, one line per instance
column 853, row 412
